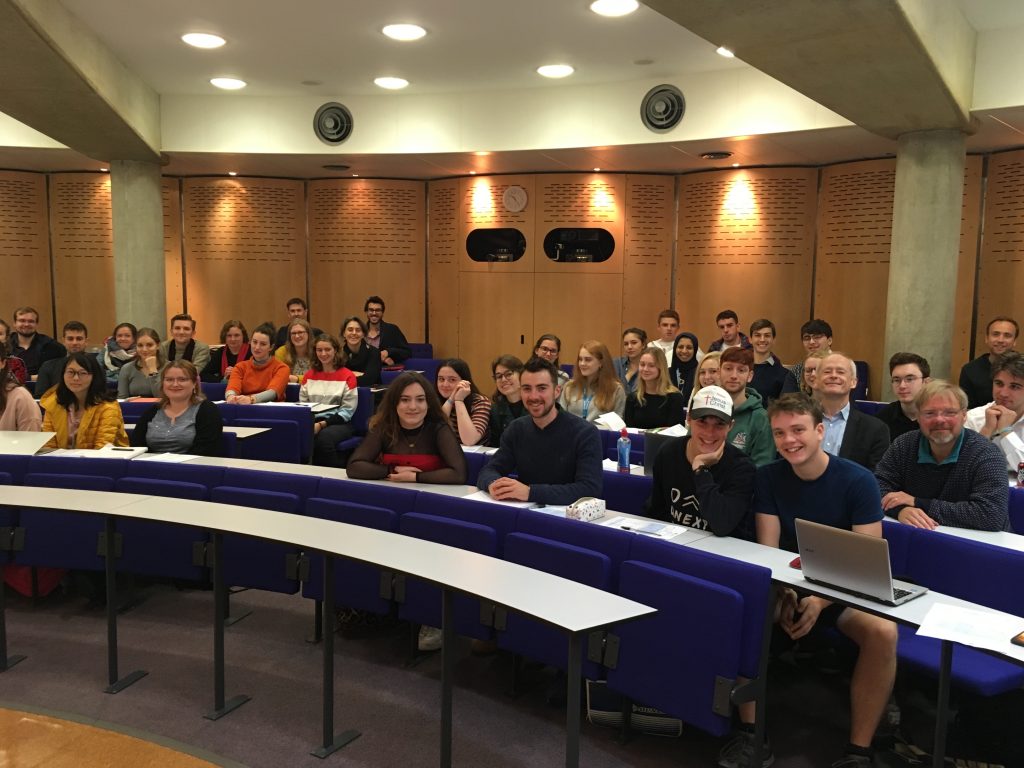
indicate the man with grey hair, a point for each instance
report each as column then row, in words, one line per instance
column 943, row 474
column 1002, row 420
column 849, row 433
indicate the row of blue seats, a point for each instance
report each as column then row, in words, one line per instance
column 660, row 660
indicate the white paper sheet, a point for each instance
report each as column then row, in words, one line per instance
column 644, row 527
column 977, row 628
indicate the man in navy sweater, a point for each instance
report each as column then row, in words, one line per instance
column 549, row 456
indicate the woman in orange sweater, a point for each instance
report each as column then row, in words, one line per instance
column 262, row 378
column 80, row 410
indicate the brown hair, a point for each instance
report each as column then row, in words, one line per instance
column 386, row 417
column 193, row 375
column 797, row 403
column 607, row 382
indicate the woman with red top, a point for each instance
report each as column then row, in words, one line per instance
column 329, row 382
column 468, row 412
column 235, row 340
column 409, row 439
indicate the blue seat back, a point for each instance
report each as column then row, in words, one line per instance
column 214, row 391
column 281, row 443
column 428, row 365
column 474, row 463
column 200, row 474
column 1017, row 510
column 500, row 518
column 860, row 392
column 870, row 407
column 303, row 487
column 899, row 537
column 14, row 467
column 608, row 541
column 420, row 349
column 62, row 539
column 77, row 465
column 624, row 492
column 401, row 500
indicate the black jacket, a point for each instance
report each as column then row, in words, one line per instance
column 393, row 340
column 209, row 430
column 865, row 439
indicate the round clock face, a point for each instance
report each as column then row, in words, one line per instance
column 514, row 199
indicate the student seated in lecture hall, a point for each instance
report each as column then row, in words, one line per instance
column 297, row 352
column 74, row 334
column 683, row 369
column 594, row 388
column 769, row 372
column 409, row 439
column 80, row 410
column 909, row 373
column 552, row 457
column 262, row 378
column 360, row 358
column 507, row 399
column 750, row 432
column 728, row 323
column 849, row 432
column 708, row 372
column 183, row 344
column 668, row 327
column 140, row 377
column 234, row 339
column 14, row 364
column 976, row 376
column 944, row 474
column 468, row 412
column 656, row 403
column 549, row 347
column 184, row 421
column 386, row 338
column 32, row 347
column 18, row 410
column 626, row 366
column 816, row 336
column 701, row 481
column 297, row 310
column 329, row 381
column 1002, row 419
column 118, row 350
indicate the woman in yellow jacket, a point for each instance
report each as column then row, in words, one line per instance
column 80, row 410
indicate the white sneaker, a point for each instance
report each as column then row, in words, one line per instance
column 429, row 639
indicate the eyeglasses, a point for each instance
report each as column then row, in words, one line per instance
column 897, row 380
column 812, row 337
column 298, row 333
column 948, row 413
column 548, row 350
column 506, row 376
column 372, row 311
column 177, row 381
column 71, row 373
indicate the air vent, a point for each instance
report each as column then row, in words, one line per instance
column 662, row 108
column 336, row 167
column 332, row 123
column 719, row 154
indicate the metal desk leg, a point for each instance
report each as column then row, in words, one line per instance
column 572, row 701
column 447, row 672
column 114, row 685
column 331, row 744
column 6, row 662
column 942, row 705
column 220, row 602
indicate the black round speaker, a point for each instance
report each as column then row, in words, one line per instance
column 332, row 123
column 662, row 108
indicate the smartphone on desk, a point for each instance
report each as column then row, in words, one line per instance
column 1018, row 639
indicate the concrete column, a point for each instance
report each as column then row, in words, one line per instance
column 138, row 222
column 925, row 247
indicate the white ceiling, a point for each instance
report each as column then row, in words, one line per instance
column 472, row 46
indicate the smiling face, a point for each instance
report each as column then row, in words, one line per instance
column 547, row 350
column 708, row 374
column 587, row 363
column 816, row 341
column 123, row 337
column 353, row 334
column 412, row 406
column 648, row 367
column 146, row 346
column 941, row 420
column 299, row 337
column 181, row 332
column 708, row 432
column 1001, row 337
column 811, row 371
column 507, row 381
column 177, row 386
column 763, row 340
column 325, row 354
column 1008, row 391
column 632, row 346
column 25, row 323
column 797, row 438
column 260, row 345
column 297, row 312
column 447, row 380
column 539, row 394
column 836, row 377
column 685, row 350
column 77, row 379
column 234, row 339
column 374, row 313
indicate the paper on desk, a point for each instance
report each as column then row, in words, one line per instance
column 485, row 496
column 167, row 458
column 610, row 420
column 676, row 430
column 646, row 527
column 980, row 629
column 613, row 466
column 484, row 449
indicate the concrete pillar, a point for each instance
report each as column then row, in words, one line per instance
column 138, row 223
column 925, row 247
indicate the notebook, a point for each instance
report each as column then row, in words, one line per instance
column 23, row 443
column 851, row 562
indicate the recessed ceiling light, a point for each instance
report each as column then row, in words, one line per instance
column 232, row 173
column 355, row 175
column 555, row 70
column 735, row 165
column 202, row 40
column 104, row 170
column 228, row 83
column 472, row 173
column 391, row 83
column 614, row 7
column 597, row 170
column 404, row 32
column 482, row 153
column 723, row 51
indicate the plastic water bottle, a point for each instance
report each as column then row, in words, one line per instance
column 622, row 446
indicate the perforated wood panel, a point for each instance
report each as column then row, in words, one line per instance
column 650, row 234
column 1001, row 274
column 967, row 265
column 480, row 205
column 82, row 245
column 581, row 200
column 25, row 246
column 498, row 319
column 444, row 251
column 746, row 240
column 577, row 308
column 175, row 289
column 244, row 250
column 367, row 237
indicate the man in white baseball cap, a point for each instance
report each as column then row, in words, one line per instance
column 700, row 480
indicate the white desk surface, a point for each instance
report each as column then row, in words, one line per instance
column 557, row 601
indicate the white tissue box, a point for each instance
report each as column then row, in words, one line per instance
column 585, row 509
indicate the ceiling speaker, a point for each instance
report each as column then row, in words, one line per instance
column 662, row 108
column 332, row 123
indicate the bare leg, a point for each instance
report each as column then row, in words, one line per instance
column 873, row 674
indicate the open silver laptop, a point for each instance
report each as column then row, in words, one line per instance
column 23, row 443
column 850, row 562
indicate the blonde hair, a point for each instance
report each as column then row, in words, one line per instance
column 821, row 354
column 697, row 386
column 606, row 381
column 664, row 382
column 290, row 353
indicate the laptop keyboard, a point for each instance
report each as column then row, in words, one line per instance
column 898, row 593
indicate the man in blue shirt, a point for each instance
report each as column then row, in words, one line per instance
column 810, row 484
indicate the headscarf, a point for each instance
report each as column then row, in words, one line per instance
column 683, row 374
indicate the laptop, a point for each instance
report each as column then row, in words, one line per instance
column 23, row 443
column 851, row 562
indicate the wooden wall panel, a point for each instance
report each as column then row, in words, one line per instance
column 25, row 247
column 497, row 312
column 245, row 250
column 174, row 280
column 445, row 249
column 647, row 255
column 81, row 233
column 581, row 200
column 578, row 308
column 480, row 206
column 746, row 241
column 367, row 237
column 967, row 264
column 1001, row 273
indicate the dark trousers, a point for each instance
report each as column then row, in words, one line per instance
column 325, row 445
